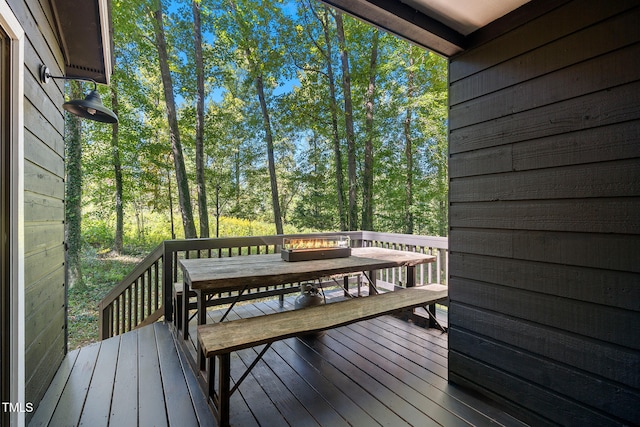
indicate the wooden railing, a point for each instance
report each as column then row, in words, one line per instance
column 145, row 295
column 137, row 300
column 436, row 272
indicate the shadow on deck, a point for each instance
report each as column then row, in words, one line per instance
column 383, row 371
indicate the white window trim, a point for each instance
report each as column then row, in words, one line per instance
column 13, row 29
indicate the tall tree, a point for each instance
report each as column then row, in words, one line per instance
column 348, row 117
column 117, row 170
column 73, row 204
column 367, row 177
column 275, row 195
column 251, row 27
column 408, row 148
column 337, row 150
column 184, row 197
column 200, row 177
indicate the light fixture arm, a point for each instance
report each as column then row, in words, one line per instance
column 45, row 75
column 90, row 108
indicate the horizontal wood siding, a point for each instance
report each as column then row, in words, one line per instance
column 544, row 214
column 45, row 311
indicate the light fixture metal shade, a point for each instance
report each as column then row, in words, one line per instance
column 91, row 108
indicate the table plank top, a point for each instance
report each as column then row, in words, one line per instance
column 265, row 270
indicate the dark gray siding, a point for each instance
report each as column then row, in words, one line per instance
column 545, row 216
column 44, row 199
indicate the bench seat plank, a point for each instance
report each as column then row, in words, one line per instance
column 225, row 337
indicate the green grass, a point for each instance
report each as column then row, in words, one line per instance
column 101, row 272
column 102, row 269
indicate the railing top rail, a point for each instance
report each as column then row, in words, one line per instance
column 143, row 266
column 408, row 239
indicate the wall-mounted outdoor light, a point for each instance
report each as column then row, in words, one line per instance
column 90, row 107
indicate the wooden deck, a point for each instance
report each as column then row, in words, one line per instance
column 383, row 371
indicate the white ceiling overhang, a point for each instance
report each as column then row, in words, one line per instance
column 443, row 26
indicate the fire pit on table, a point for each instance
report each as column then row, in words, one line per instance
column 307, row 249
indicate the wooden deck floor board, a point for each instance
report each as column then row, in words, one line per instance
column 403, row 376
column 362, row 333
column 281, row 397
column 418, row 356
column 181, row 410
column 369, row 385
column 383, row 371
column 363, row 391
column 124, row 402
column 199, row 400
column 101, row 388
column 408, row 347
column 416, row 409
column 150, row 391
column 72, row 400
column 315, row 405
column 394, row 328
column 251, row 393
column 292, row 411
column 440, row 406
column 342, row 403
column 51, row 398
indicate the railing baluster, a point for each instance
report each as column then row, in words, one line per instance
column 130, row 306
column 116, row 323
column 156, row 304
column 123, row 312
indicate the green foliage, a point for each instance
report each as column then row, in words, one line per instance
column 288, row 47
column 285, row 43
column 99, row 232
column 102, row 271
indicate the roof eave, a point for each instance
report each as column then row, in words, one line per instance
column 426, row 31
column 85, row 35
column 406, row 22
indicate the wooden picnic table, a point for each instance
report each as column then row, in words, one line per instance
column 212, row 275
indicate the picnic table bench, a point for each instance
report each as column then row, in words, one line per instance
column 218, row 340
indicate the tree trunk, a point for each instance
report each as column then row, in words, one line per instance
column 367, row 179
column 73, row 203
column 217, row 210
column 275, row 198
column 348, row 116
column 255, row 69
column 236, row 182
column 173, row 227
column 184, row 198
column 408, row 149
column 200, row 178
column 117, row 168
column 337, row 151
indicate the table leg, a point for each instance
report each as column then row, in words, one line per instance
column 202, row 319
column 202, row 307
column 224, row 384
column 185, row 311
column 372, row 283
column 411, row 276
column 433, row 323
column 345, row 285
column 411, row 282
